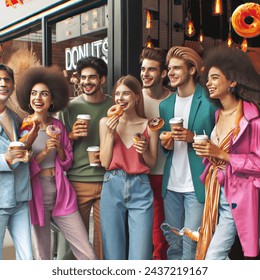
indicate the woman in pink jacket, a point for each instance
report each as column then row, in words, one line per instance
column 42, row 92
column 232, row 156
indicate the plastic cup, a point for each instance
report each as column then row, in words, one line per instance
column 200, row 138
column 86, row 118
column 176, row 122
column 92, row 150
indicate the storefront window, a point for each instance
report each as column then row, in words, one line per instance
column 82, row 35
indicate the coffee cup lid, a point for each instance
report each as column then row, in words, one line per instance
column 84, row 117
column 93, row 149
column 16, row 144
column 176, row 120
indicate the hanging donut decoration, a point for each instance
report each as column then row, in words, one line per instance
column 246, row 20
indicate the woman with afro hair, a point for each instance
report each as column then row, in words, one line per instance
column 42, row 92
column 232, row 156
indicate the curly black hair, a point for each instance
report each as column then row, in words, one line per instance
column 236, row 66
column 52, row 77
column 92, row 62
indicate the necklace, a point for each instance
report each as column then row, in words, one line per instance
column 228, row 114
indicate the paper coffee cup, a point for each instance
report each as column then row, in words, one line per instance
column 92, row 150
column 176, row 122
column 19, row 146
column 200, row 138
column 86, row 118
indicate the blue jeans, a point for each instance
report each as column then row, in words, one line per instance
column 225, row 233
column 181, row 210
column 126, row 204
column 17, row 220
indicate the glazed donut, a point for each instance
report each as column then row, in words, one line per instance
column 26, row 126
column 115, row 110
column 28, row 122
column 138, row 137
column 246, row 20
column 155, row 123
column 53, row 131
column 165, row 135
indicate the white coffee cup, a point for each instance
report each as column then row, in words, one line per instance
column 176, row 122
column 86, row 118
column 92, row 150
column 200, row 138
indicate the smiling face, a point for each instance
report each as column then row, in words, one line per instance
column 90, row 81
column 218, row 85
column 178, row 72
column 125, row 97
column 40, row 98
column 151, row 74
column 6, row 86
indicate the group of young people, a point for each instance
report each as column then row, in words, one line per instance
column 145, row 195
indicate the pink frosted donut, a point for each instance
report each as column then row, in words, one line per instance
column 53, row 131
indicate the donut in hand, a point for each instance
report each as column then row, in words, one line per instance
column 165, row 135
column 53, row 131
column 138, row 137
column 115, row 110
column 26, row 126
column 155, row 123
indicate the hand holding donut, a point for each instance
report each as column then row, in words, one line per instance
column 140, row 143
column 112, row 123
column 167, row 140
column 115, row 110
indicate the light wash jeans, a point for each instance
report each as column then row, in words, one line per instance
column 126, row 204
column 181, row 210
column 225, row 233
column 17, row 221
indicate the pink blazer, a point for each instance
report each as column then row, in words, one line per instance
column 66, row 201
column 242, row 179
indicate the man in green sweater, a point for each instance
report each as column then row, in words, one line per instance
column 87, row 180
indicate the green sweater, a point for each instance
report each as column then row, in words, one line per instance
column 81, row 171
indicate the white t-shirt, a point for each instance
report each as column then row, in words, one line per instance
column 180, row 179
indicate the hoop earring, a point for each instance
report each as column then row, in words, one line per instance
column 51, row 107
column 232, row 90
column 30, row 106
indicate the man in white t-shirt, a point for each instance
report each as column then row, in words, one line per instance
column 182, row 190
column 154, row 77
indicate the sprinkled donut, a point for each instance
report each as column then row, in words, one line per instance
column 155, row 123
column 53, row 131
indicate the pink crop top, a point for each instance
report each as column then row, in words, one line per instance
column 127, row 159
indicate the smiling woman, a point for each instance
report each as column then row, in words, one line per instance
column 41, row 92
column 232, row 156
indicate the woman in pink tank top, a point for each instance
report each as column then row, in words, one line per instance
column 126, row 207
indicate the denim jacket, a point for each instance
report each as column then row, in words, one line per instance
column 14, row 180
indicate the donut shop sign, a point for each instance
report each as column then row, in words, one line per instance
column 97, row 48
